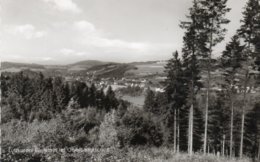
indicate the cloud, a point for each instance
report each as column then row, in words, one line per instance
column 23, row 58
column 0, row 14
column 70, row 52
column 118, row 44
column 64, row 5
column 85, row 25
column 66, row 51
column 27, row 30
column 91, row 36
column 70, row 41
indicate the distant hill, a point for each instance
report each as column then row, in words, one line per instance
column 14, row 67
column 142, row 62
column 5, row 65
column 86, row 64
column 111, row 70
column 100, row 68
column 89, row 63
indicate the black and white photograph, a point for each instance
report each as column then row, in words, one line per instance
column 130, row 80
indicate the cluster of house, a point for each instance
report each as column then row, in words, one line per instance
column 117, row 83
column 143, row 83
column 127, row 82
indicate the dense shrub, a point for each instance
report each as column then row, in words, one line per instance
column 138, row 128
column 108, row 133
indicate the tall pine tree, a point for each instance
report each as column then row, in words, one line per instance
column 191, row 49
column 249, row 31
column 149, row 103
column 213, row 16
column 231, row 62
column 176, row 93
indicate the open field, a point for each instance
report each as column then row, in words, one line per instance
column 137, row 101
column 148, row 69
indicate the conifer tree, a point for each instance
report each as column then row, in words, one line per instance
column 191, row 49
column 92, row 95
column 48, row 100
column 176, row 92
column 149, row 103
column 83, row 95
column 19, row 95
column 111, row 101
column 231, row 62
column 218, row 123
column 249, row 32
column 100, row 99
column 60, row 94
column 213, row 16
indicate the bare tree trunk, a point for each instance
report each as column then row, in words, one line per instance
column 208, row 90
column 231, row 128
column 223, row 145
column 0, row 120
column 175, row 131
column 258, row 156
column 191, row 130
column 243, row 116
column 178, row 131
column 242, row 134
column 206, row 121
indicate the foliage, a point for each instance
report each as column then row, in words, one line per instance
column 150, row 102
column 108, row 136
column 138, row 128
column 218, row 123
column 252, row 132
column 29, row 97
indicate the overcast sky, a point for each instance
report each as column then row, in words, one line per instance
column 65, row 31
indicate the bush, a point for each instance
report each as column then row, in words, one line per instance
column 36, row 135
column 138, row 127
column 108, row 136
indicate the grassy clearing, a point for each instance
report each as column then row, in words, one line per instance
column 167, row 155
column 153, row 155
column 126, row 155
